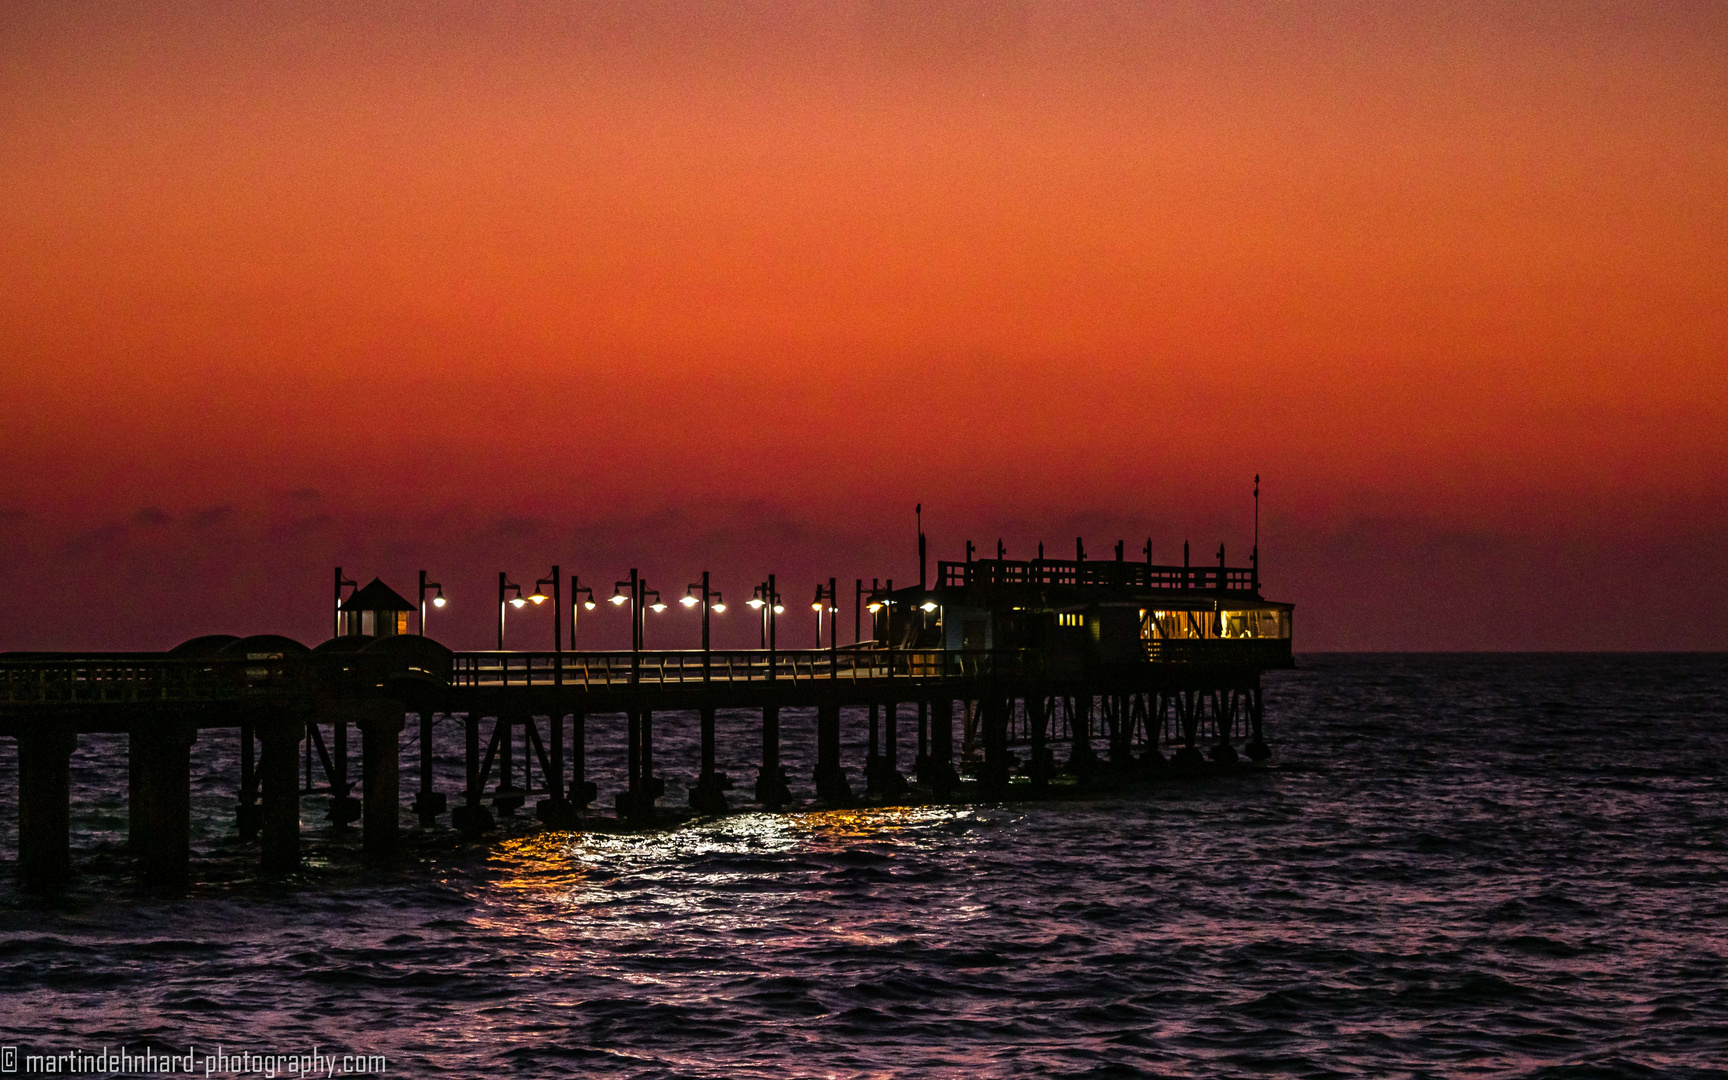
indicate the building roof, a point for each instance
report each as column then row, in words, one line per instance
column 375, row 596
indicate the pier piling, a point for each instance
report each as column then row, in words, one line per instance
column 45, row 805
column 278, row 774
column 159, row 799
column 380, row 762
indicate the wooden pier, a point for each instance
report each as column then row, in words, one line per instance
column 1034, row 661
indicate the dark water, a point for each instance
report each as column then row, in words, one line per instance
column 1460, row 866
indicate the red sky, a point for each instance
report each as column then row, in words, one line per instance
column 471, row 287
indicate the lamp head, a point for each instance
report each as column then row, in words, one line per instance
column 779, row 609
column 656, row 606
column 588, row 604
column 538, row 598
column 439, row 601
column 928, row 605
column 717, row 608
column 874, row 607
column 518, row 602
column 755, row 602
column 688, row 601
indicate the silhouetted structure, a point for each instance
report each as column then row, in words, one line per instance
column 1031, row 658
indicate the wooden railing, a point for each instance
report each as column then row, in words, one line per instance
column 1007, row 573
column 47, row 679
column 661, row 667
column 1251, row 652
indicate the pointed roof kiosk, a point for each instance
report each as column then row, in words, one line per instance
column 375, row 610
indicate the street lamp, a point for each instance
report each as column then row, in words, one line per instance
column 825, row 603
column 710, row 601
column 505, row 602
column 539, row 598
column 437, row 601
column 767, row 601
column 341, row 581
column 578, row 589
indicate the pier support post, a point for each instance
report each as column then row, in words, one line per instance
column 708, row 796
column 1224, row 705
column 993, row 711
column 507, row 798
column 555, row 809
column 344, row 807
column 279, row 780
column 472, row 817
column 1037, row 716
column 1121, row 733
column 772, row 790
column 428, row 804
column 1082, row 761
column 582, row 790
column 380, row 725
column 938, row 770
column 1189, row 704
column 45, row 804
column 831, row 786
column 1257, row 748
column 1157, row 705
column 873, row 754
column 159, row 798
column 246, row 812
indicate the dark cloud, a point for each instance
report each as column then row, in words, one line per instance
column 102, row 540
column 151, row 515
column 520, row 526
column 213, row 516
column 11, row 515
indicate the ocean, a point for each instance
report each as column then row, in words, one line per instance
column 1455, row 865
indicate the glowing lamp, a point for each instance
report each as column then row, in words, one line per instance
column 438, row 601
column 688, row 601
column 717, row 608
column 928, row 605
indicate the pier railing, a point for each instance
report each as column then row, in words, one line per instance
column 138, row 678
column 692, row 666
column 1007, row 573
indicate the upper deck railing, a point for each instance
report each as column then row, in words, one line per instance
column 1124, row 575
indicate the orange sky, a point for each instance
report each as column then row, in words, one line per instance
column 735, row 285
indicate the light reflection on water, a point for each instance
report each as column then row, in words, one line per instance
column 1477, row 865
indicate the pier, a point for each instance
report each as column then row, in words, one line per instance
column 1014, row 678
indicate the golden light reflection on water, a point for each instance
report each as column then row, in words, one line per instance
column 638, row 882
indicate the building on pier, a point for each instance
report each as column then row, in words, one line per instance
column 375, row 610
column 1078, row 615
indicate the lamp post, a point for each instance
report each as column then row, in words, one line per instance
column 437, row 601
column 341, row 581
column 707, row 796
column 578, row 589
column 711, row 601
column 827, row 603
column 553, row 579
column 505, row 585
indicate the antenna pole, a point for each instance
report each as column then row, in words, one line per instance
column 1254, row 560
